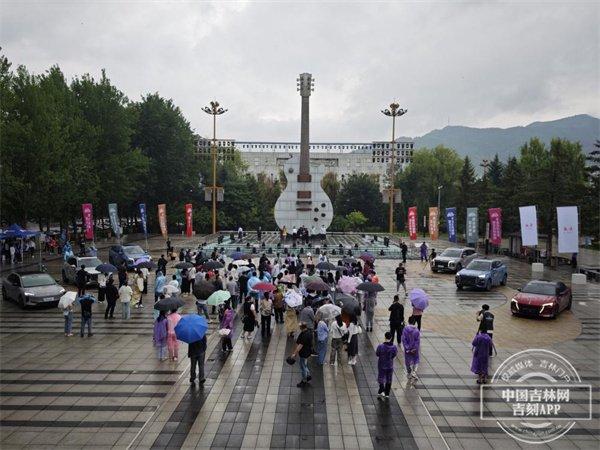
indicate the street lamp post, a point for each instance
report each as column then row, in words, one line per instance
column 215, row 110
column 393, row 112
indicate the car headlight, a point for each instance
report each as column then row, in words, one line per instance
column 481, row 277
column 513, row 301
column 29, row 294
column 451, row 263
column 62, row 291
column 546, row 305
column 130, row 259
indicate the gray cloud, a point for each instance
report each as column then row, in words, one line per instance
column 487, row 64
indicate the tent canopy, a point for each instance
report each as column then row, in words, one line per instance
column 15, row 231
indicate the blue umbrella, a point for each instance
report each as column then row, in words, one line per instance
column 419, row 298
column 106, row 268
column 191, row 328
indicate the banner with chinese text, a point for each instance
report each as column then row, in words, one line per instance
column 188, row 220
column 143, row 218
column 451, row 223
column 433, row 222
column 472, row 226
column 114, row 219
column 88, row 220
column 568, row 229
column 412, row 223
column 162, row 219
column 495, row 219
column 529, row 231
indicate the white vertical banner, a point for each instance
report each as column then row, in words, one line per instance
column 529, row 230
column 568, row 229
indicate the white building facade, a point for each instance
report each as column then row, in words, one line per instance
column 343, row 159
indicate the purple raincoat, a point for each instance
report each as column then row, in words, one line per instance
column 386, row 353
column 481, row 351
column 227, row 321
column 411, row 341
column 159, row 336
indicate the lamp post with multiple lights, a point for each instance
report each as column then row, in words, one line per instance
column 215, row 110
column 393, row 112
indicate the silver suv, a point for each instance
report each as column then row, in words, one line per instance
column 453, row 259
column 73, row 264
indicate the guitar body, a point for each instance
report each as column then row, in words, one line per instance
column 303, row 203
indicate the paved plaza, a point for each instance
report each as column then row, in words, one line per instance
column 110, row 390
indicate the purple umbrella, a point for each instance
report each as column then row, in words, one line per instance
column 419, row 298
column 366, row 256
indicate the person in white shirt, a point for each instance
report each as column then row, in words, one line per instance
column 294, row 233
column 102, row 286
column 192, row 277
column 337, row 330
column 240, row 233
column 125, row 294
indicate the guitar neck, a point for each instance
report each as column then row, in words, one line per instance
column 304, row 173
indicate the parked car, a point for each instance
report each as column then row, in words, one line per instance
column 453, row 259
column 128, row 254
column 483, row 274
column 73, row 264
column 540, row 298
column 31, row 288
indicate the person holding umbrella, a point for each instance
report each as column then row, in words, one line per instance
column 322, row 338
column 162, row 264
column 172, row 343
column 112, row 295
column 266, row 310
column 419, row 301
column 249, row 319
column 159, row 284
column 411, row 341
column 66, row 303
column 159, row 337
column 197, row 353
column 353, row 331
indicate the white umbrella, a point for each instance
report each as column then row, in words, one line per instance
column 170, row 289
column 240, row 262
column 293, row 299
column 244, row 269
column 67, row 299
column 329, row 311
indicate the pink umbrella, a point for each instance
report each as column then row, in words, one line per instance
column 264, row 287
column 347, row 285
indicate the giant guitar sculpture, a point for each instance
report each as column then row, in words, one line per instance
column 303, row 201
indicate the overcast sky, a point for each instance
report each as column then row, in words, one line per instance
column 475, row 63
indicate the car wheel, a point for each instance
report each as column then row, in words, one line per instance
column 458, row 267
column 503, row 282
column 21, row 302
column 433, row 270
column 568, row 308
column 488, row 286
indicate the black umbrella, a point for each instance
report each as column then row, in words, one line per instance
column 183, row 265
column 106, row 268
column 169, row 303
column 211, row 265
column 349, row 260
column 342, row 299
column 317, row 285
column 350, row 306
column 203, row 289
column 368, row 286
column 146, row 265
column 325, row 265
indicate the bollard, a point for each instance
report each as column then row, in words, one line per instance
column 578, row 278
column 537, row 268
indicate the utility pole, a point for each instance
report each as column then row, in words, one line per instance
column 439, row 212
column 485, row 164
column 215, row 110
column 393, row 112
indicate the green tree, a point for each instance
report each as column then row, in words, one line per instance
column 511, row 195
column 331, row 185
column 356, row 220
column 360, row 192
column 466, row 195
column 591, row 208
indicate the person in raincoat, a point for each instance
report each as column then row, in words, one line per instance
column 386, row 353
column 482, row 345
column 411, row 341
column 138, row 289
column 172, row 342
column 159, row 337
column 423, row 251
column 227, row 324
column 159, row 284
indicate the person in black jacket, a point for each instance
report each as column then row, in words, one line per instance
column 112, row 295
column 196, row 353
column 81, row 279
column 162, row 264
column 396, row 318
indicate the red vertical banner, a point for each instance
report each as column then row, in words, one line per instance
column 412, row 223
column 88, row 220
column 188, row 220
column 495, row 218
column 162, row 220
column 433, row 222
